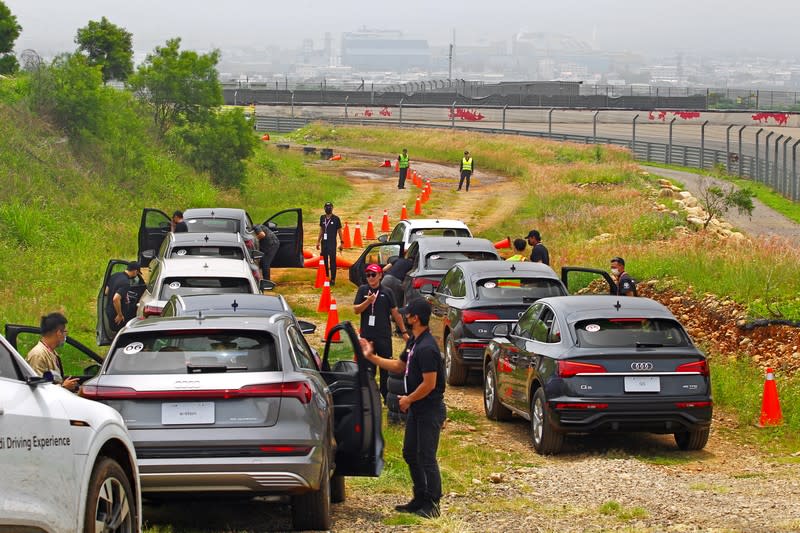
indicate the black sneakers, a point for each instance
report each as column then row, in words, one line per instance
column 428, row 510
column 411, row 507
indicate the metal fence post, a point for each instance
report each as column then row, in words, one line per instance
column 741, row 160
column 633, row 136
column 550, row 122
column 401, row 110
column 794, row 171
column 453, row 115
column 728, row 149
column 346, row 98
column 774, row 180
column 669, row 148
column 785, row 182
column 504, row 116
column 703, row 145
column 766, row 157
column 594, row 126
column 292, row 104
column 758, row 162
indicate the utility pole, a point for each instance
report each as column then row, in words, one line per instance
column 450, row 68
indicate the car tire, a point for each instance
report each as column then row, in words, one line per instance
column 338, row 490
column 392, row 402
column 692, row 440
column 395, row 384
column 546, row 440
column 455, row 371
column 491, row 401
column 312, row 510
column 110, row 500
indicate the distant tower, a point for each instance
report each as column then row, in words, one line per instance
column 329, row 48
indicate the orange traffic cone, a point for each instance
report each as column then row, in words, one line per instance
column 307, row 254
column 370, row 229
column 313, row 262
column 418, row 207
column 426, row 192
column 341, row 262
column 336, row 157
column 333, row 319
column 357, row 242
column 265, row 137
column 346, row 236
column 385, row 221
column 397, row 166
column 417, row 180
column 386, row 163
column 325, row 298
column 770, row 405
column 505, row 243
column 321, row 277
column 403, row 213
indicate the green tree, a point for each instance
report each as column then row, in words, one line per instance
column 9, row 31
column 180, row 85
column 109, row 46
column 717, row 200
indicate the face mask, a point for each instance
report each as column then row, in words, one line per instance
column 615, row 271
column 61, row 342
column 406, row 324
column 328, row 211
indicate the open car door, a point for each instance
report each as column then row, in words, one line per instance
column 356, row 404
column 103, row 328
column 78, row 360
column 288, row 226
column 586, row 280
column 379, row 252
column 153, row 228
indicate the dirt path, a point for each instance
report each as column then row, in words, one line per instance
column 765, row 222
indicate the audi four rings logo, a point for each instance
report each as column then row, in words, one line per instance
column 641, row 366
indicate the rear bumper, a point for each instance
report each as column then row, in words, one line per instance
column 470, row 352
column 641, row 415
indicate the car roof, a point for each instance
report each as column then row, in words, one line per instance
column 576, row 308
column 204, row 266
column 434, row 223
column 211, row 322
column 487, row 269
column 246, row 304
column 454, row 244
column 220, row 212
column 205, row 238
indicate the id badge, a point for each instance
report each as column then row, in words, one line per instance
column 324, row 236
column 371, row 321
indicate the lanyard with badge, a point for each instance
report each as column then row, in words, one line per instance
column 371, row 319
column 410, row 351
column 326, row 222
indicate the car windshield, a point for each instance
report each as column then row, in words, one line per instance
column 437, row 232
column 182, row 352
column 227, row 252
column 525, row 290
column 212, row 225
column 186, row 286
column 629, row 332
column 444, row 260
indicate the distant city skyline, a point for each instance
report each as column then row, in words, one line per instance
column 708, row 28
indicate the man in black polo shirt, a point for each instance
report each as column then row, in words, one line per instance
column 329, row 227
column 539, row 253
column 178, row 224
column 377, row 307
column 421, row 364
column 120, row 299
column 625, row 285
column 393, row 275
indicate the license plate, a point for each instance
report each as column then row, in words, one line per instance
column 642, row 384
column 187, row 413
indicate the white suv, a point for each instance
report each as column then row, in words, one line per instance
column 409, row 231
column 67, row 463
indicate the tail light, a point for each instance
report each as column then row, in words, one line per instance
column 567, row 369
column 419, row 282
column 152, row 310
column 284, row 450
column 468, row 317
column 701, row 367
column 581, row 406
column 473, row 345
column 686, row 405
column 293, row 389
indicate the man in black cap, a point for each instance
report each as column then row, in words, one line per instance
column 466, row 170
column 625, row 285
column 178, row 224
column 539, row 253
column 329, row 227
column 120, row 301
column 421, row 365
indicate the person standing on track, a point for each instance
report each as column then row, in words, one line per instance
column 329, row 227
column 402, row 165
column 466, row 169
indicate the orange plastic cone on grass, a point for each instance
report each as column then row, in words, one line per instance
column 313, row 262
column 346, row 236
column 418, row 207
column 426, row 193
column 307, row 254
column 333, row 319
column 370, row 229
column 321, row 277
column 397, row 166
column 770, row 405
column 403, row 213
column 265, row 137
column 357, row 242
column 417, row 180
column 505, row 243
column 385, row 221
column 325, row 298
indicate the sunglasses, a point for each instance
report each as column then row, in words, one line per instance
column 372, row 274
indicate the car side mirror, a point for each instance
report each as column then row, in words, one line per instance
column 426, row 289
column 272, row 226
column 383, row 238
column 91, row 370
column 266, row 285
column 307, row 327
column 149, row 255
column 256, row 255
column 501, row 330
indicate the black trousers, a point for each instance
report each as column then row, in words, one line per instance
column 423, row 427
column 266, row 260
column 383, row 348
column 329, row 256
column 401, row 181
column 464, row 174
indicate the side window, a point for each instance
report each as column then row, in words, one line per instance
column 248, row 221
column 541, row 326
column 459, row 288
column 8, row 369
column 525, row 324
column 162, row 251
column 151, row 282
column 397, row 233
column 444, row 286
column 302, row 353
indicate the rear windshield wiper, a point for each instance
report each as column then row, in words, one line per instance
column 210, row 369
column 649, row 344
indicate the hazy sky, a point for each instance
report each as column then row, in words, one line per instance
column 644, row 26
